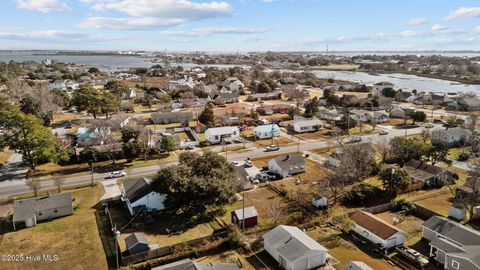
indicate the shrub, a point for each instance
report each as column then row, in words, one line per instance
column 403, row 204
column 361, row 194
column 463, row 157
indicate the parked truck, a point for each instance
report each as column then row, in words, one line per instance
column 413, row 256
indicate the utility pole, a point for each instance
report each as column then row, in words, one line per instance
column 272, row 132
column 92, row 166
column 243, row 213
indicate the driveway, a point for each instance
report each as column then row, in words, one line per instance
column 14, row 169
column 112, row 190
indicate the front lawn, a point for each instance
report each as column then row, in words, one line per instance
column 75, row 239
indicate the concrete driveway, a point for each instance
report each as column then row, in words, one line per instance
column 112, row 190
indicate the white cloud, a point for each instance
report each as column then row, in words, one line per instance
column 208, row 31
column 477, row 29
column 417, row 21
column 144, row 14
column 248, row 39
column 438, row 28
column 53, row 36
column 44, row 6
column 464, row 12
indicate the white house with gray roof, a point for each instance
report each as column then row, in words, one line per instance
column 27, row 212
column 219, row 134
column 293, row 249
column 188, row 264
column 307, row 125
column 450, row 137
column 138, row 194
column 287, row 165
column 452, row 244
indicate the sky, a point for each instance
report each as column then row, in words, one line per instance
column 240, row 25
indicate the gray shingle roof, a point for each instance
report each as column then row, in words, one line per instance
column 188, row 264
column 134, row 239
column 289, row 161
column 136, row 189
column 25, row 208
column 292, row 243
column 249, row 212
column 453, row 230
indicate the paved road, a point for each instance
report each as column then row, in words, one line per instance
column 14, row 187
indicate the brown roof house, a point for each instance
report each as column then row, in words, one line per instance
column 27, row 212
column 247, row 215
column 426, row 174
column 377, row 231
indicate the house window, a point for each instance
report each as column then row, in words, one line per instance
column 55, row 210
column 40, row 213
column 455, row 264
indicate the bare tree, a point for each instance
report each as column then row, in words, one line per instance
column 425, row 134
column 58, row 181
column 471, row 198
column 275, row 211
column 34, row 184
column 384, row 149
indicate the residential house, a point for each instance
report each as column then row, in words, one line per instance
column 130, row 94
column 58, row 84
column 184, row 82
column 369, row 116
column 335, row 158
column 136, row 243
column 219, row 134
column 243, row 177
column 274, row 109
column 401, row 112
column 91, row 137
column 27, row 212
column 450, row 137
column 357, row 265
column 330, row 115
column 469, row 104
column 188, row 264
column 378, row 88
column 233, row 84
column 247, row 216
column 291, row 90
column 307, row 125
column 264, row 96
column 293, row 249
column 423, row 173
column 377, row 231
column 453, row 245
column 139, row 195
column 172, row 117
column 287, row 165
column 221, row 97
column 320, row 201
column 266, row 131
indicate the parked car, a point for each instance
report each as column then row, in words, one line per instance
column 116, row 174
column 253, row 180
column 248, row 163
column 262, row 176
column 272, row 147
column 429, row 125
column 273, row 176
column 413, row 256
column 234, row 163
column 384, row 132
column 191, row 146
column 355, row 138
column 68, row 126
column 237, row 140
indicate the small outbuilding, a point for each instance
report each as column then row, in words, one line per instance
column 247, row 215
column 136, row 242
column 320, row 201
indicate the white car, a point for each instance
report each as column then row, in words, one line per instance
column 248, row 163
column 191, row 146
column 117, row 174
column 429, row 125
column 384, row 132
column 272, row 147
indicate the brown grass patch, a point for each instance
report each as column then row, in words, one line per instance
column 75, row 239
